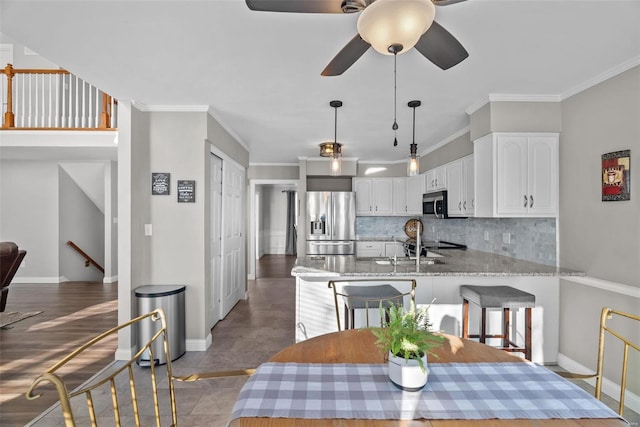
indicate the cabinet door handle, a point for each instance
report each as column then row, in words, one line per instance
column 436, row 182
column 459, row 206
column 473, row 203
column 526, row 201
column 464, row 205
column 370, row 209
column 530, row 201
column 376, row 209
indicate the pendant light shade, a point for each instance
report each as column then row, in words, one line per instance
column 413, row 167
column 385, row 23
column 333, row 149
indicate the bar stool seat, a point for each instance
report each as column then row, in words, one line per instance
column 365, row 297
column 506, row 298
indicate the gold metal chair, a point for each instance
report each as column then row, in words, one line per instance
column 367, row 294
column 126, row 404
column 607, row 314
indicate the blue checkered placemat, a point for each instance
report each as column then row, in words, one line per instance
column 453, row 391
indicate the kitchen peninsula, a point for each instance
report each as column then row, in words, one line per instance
column 438, row 279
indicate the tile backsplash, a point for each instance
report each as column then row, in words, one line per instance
column 529, row 239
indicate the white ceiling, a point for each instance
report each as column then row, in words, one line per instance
column 260, row 72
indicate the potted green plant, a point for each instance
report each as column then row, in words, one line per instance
column 407, row 336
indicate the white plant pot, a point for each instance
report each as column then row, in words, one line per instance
column 407, row 374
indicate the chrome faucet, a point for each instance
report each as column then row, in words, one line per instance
column 418, row 244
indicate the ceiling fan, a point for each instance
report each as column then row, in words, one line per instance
column 430, row 39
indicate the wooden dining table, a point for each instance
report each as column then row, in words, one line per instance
column 358, row 346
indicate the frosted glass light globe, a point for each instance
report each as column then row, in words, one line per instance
column 387, row 22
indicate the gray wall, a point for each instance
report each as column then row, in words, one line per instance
column 273, row 172
column 82, row 223
column 600, row 238
column 177, row 142
column 223, row 140
column 509, row 116
column 454, row 150
column 29, row 216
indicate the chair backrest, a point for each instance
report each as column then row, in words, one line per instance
column 406, row 288
column 135, row 380
column 605, row 330
column 10, row 259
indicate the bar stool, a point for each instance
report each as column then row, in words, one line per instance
column 367, row 296
column 506, row 298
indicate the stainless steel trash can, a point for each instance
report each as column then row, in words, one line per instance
column 170, row 298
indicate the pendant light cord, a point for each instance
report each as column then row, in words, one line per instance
column 335, row 127
column 395, row 101
column 414, row 125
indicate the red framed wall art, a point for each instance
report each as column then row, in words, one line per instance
column 616, row 176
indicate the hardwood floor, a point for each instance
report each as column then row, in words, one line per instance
column 73, row 312
column 253, row 331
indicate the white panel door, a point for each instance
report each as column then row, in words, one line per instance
column 233, row 283
column 215, row 242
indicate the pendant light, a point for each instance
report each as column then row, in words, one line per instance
column 413, row 166
column 333, row 149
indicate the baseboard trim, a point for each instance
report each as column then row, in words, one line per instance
column 199, row 345
column 38, row 279
column 251, row 276
column 610, row 388
column 111, row 279
column 124, row 353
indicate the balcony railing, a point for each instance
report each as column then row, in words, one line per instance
column 53, row 100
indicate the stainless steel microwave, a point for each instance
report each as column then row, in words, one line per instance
column 435, row 204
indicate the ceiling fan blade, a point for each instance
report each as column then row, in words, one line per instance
column 446, row 2
column 346, row 57
column 297, row 6
column 440, row 47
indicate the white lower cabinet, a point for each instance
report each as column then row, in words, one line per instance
column 370, row 249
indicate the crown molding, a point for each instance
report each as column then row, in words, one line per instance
column 229, row 130
column 274, row 164
column 446, row 141
column 627, row 65
column 508, row 97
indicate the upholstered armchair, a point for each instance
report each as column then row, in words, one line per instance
column 10, row 259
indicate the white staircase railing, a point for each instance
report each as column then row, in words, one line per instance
column 53, row 99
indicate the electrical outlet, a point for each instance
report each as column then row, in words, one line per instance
column 148, row 230
column 506, row 238
column 486, row 236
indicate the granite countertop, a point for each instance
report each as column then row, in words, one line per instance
column 399, row 239
column 453, row 262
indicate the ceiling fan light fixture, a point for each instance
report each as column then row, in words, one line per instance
column 385, row 23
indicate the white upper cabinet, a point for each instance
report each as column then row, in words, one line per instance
column 414, row 194
column 516, row 175
column 436, row 179
column 400, row 196
column 374, row 196
column 460, row 183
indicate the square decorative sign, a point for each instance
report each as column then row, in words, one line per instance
column 616, row 176
column 160, row 183
column 186, row 191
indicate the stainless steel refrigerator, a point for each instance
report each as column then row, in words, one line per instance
column 331, row 223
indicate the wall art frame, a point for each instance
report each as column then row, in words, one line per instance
column 616, row 176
